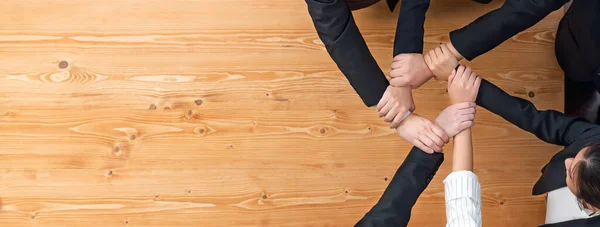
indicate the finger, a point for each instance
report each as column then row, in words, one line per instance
column 467, row 117
column 439, row 143
column 465, row 125
column 437, row 130
column 429, row 143
column 394, row 73
column 412, row 107
column 446, row 50
column 433, row 55
column 385, row 110
column 389, row 117
column 382, row 102
column 469, row 105
column 400, row 81
column 422, row 146
column 468, row 110
column 439, row 53
column 398, row 119
column 466, row 75
column 459, row 73
column 477, row 83
column 428, row 60
column 462, row 105
column 396, row 64
column 451, row 78
column 472, row 79
column 399, row 57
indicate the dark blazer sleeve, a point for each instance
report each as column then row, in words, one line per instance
column 493, row 28
column 548, row 125
column 410, row 27
column 335, row 26
column 395, row 205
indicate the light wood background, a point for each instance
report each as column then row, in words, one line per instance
column 231, row 113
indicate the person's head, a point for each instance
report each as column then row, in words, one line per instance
column 583, row 176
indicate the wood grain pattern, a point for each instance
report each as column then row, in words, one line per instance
column 231, row 113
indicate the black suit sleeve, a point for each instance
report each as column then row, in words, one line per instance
column 410, row 27
column 335, row 25
column 493, row 28
column 395, row 205
column 548, row 125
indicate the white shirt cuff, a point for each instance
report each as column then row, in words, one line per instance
column 462, row 184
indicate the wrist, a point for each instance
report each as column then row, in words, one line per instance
column 454, row 52
column 408, row 118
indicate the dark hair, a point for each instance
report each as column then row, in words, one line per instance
column 588, row 176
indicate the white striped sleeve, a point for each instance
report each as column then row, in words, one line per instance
column 463, row 199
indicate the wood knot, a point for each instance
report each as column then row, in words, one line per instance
column 63, row 64
column 156, row 197
column 152, row 107
column 126, row 222
column 323, row 131
column 167, row 108
column 189, row 191
column 230, row 146
column 385, row 179
column 201, row 130
column 132, row 137
column 531, row 94
column 189, row 114
column 198, row 102
column 264, row 196
column 346, row 191
column 116, row 149
column 501, row 203
column 32, row 216
column 109, row 173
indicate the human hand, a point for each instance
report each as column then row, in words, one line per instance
column 463, row 85
column 409, row 70
column 441, row 62
column 394, row 104
column 423, row 133
column 456, row 118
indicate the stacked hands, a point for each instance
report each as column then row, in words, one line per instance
column 410, row 71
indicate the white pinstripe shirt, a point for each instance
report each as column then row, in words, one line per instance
column 463, row 199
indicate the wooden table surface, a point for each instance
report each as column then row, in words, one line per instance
column 231, row 113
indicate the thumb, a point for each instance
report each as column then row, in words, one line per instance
column 400, row 81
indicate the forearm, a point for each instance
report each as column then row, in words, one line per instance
column 337, row 29
column 493, row 28
column 395, row 205
column 462, row 158
column 549, row 125
column 410, row 27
